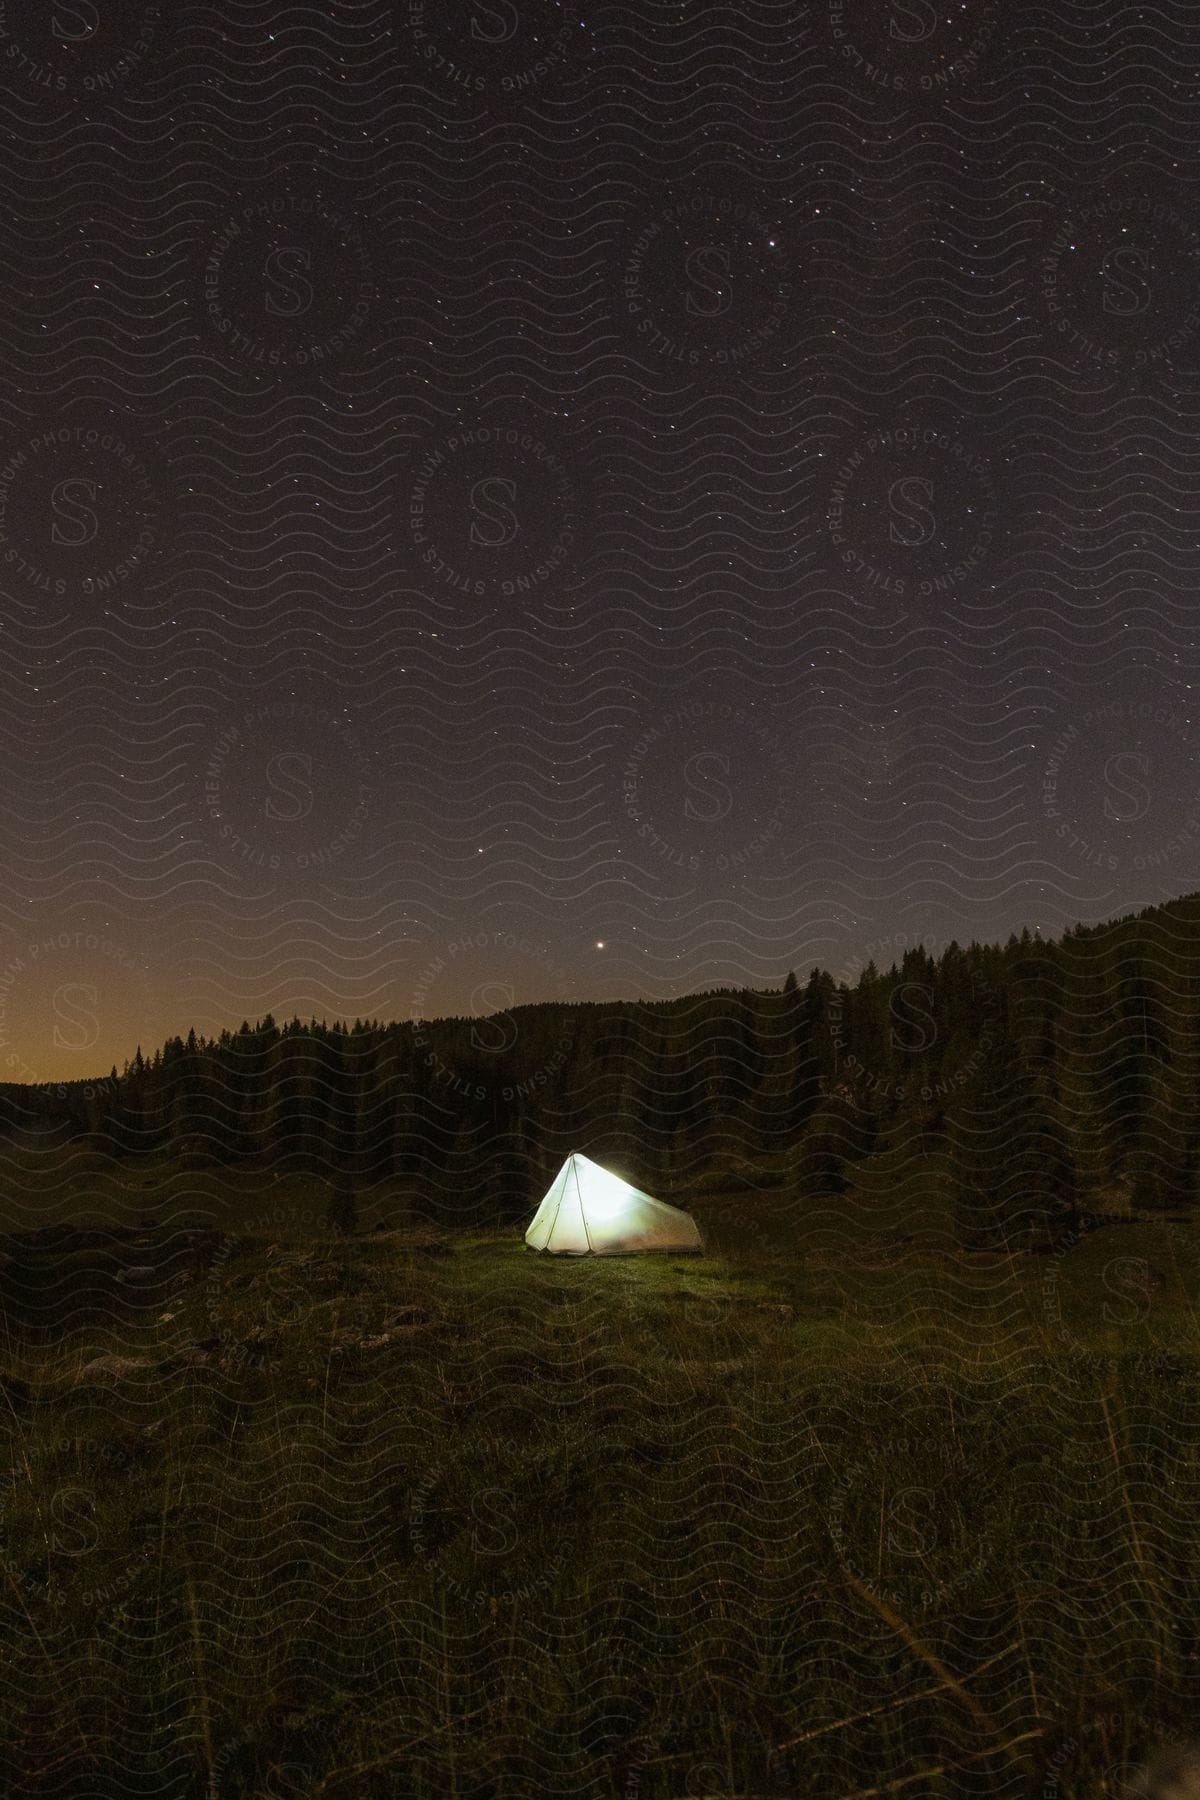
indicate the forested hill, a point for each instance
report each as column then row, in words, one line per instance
column 1048, row 1070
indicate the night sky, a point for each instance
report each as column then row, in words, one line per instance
column 504, row 502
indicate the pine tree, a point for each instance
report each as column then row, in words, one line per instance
column 1000, row 1136
column 838, row 1135
column 1164, row 1166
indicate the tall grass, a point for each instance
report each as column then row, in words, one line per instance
column 482, row 1524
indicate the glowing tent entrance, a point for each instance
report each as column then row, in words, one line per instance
column 590, row 1211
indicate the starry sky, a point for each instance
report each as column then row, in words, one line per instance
column 513, row 501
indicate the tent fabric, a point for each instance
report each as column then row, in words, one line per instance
column 589, row 1211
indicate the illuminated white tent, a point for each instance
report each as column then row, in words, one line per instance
column 590, row 1211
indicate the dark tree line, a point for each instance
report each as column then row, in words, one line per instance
column 1051, row 1074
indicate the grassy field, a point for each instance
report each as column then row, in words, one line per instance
column 832, row 1510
